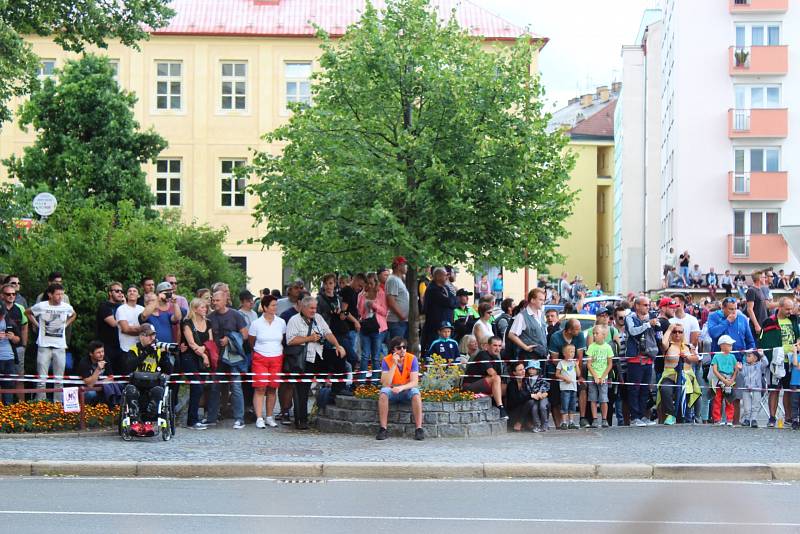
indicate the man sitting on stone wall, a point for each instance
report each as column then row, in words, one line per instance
column 399, row 380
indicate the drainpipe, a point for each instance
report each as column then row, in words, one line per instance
column 644, row 172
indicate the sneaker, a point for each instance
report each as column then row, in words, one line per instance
column 419, row 434
column 772, row 422
column 573, row 426
column 604, row 423
column 503, row 413
column 638, row 422
column 720, row 423
column 198, row 426
column 536, row 430
column 670, row 420
column 302, row 425
column 271, row 422
column 286, row 419
column 563, row 426
column 584, row 422
column 746, row 423
column 596, row 423
column 650, row 422
column 260, row 423
column 238, row 424
column 729, row 423
column 753, row 424
column 382, row 434
column 206, row 422
column 795, row 424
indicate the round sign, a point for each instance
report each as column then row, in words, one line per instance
column 44, row 204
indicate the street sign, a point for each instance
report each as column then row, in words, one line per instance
column 44, row 204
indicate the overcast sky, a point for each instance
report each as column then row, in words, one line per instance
column 586, row 37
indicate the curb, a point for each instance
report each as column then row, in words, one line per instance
column 70, row 434
column 402, row 470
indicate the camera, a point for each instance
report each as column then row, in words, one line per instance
column 168, row 294
column 172, row 348
column 654, row 315
column 9, row 330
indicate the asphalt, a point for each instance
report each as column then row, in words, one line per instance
column 90, row 505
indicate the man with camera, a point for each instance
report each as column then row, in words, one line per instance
column 162, row 311
column 642, row 329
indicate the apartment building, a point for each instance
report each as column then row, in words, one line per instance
column 726, row 132
column 213, row 82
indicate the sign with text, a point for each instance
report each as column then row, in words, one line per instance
column 71, row 401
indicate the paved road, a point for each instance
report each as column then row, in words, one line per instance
column 681, row 444
column 35, row 505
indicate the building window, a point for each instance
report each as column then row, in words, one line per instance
column 239, row 261
column 232, row 187
column 46, row 69
column 234, row 85
column 169, row 85
column 298, row 83
column 168, row 182
column 115, row 67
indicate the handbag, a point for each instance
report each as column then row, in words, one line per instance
column 369, row 326
column 294, row 356
column 213, row 354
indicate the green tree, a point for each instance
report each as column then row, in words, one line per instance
column 419, row 142
column 72, row 24
column 93, row 245
column 88, row 143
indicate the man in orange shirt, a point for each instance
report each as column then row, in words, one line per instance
column 399, row 380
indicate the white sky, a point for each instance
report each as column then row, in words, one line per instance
column 586, row 37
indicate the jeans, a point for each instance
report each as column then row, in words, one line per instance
column 349, row 344
column 237, row 398
column 371, row 353
column 539, row 409
column 398, row 329
column 638, row 384
column 45, row 356
column 568, row 401
column 189, row 364
column 795, row 402
column 684, row 273
column 8, row 367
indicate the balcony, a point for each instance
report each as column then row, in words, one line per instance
column 758, row 123
column 768, row 249
column 758, row 60
column 758, row 6
column 758, row 186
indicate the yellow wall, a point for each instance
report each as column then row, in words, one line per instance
column 587, row 250
column 201, row 134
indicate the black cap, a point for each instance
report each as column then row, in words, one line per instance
column 463, row 293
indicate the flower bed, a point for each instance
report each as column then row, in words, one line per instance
column 452, row 395
column 50, row 417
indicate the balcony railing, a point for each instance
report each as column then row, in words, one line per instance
column 758, row 122
column 758, row 185
column 758, row 60
column 767, row 249
column 758, row 6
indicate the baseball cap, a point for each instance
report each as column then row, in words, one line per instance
column 147, row 330
column 463, row 293
column 163, row 286
column 667, row 302
column 398, row 260
column 446, row 324
column 726, row 340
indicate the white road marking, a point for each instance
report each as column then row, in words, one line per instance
column 405, row 518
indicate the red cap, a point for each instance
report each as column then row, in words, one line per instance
column 399, row 260
column 667, row 302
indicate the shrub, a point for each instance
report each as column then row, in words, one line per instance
column 50, row 417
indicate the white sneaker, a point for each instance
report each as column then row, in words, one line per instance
column 639, row 422
column 650, row 422
column 729, row 423
column 271, row 422
column 238, row 425
column 260, row 423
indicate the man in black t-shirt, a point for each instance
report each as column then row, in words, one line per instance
column 348, row 296
column 757, row 310
column 106, row 324
column 94, row 369
column 331, row 308
column 483, row 373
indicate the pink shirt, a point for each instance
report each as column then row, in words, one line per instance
column 378, row 306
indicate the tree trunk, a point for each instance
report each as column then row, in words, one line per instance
column 413, row 310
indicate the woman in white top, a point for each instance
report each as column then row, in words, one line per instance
column 483, row 328
column 266, row 338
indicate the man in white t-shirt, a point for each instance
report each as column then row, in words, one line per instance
column 397, row 299
column 51, row 317
column 127, row 316
column 691, row 327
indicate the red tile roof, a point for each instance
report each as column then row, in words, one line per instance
column 294, row 18
column 601, row 124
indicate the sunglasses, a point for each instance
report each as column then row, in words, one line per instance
column 116, row 291
column 400, row 347
column 10, row 294
column 729, row 300
column 677, row 332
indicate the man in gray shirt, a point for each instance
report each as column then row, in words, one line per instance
column 397, row 299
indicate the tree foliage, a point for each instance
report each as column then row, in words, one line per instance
column 93, row 245
column 88, row 142
column 72, row 24
column 421, row 143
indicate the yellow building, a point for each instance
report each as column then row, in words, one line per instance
column 212, row 83
column 589, row 123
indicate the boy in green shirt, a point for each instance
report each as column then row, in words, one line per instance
column 725, row 369
column 600, row 355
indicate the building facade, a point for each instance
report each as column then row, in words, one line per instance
column 213, row 82
column 726, row 89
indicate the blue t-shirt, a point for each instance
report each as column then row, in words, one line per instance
column 725, row 363
column 6, row 352
column 795, row 381
column 163, row 325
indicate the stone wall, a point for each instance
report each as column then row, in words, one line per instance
column 440, row 419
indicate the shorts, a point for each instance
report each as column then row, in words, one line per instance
column 585, row 374
column 569, row 401
column 269, row 366
column 783, row 383
column 598, row 392
column 404, row 397
column 479, row 386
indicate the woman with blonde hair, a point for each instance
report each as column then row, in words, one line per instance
column 196, row 331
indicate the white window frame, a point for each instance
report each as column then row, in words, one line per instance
column 236, row 81
column 235, row 186
column 41, row 73
column 748, row 33
column 169, row 175
column 748, row 213
column 169, row 79
column 297, row 95
column 743, row 95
